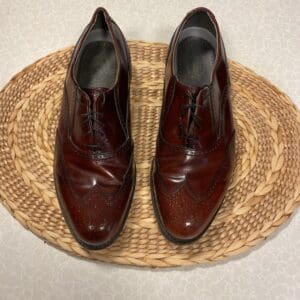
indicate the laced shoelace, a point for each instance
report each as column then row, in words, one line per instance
column 185, row 135
column 93, row 119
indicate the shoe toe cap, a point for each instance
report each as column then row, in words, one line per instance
column 183, row 227
column 94, row 218
column 183, row 217
column 96, row 235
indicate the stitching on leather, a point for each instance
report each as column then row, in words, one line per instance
column 215, row 180
column 123, row 121
column 121, row 149
column 211, row 102
column 185, row 184
column 117, row 104
column 97, row 187
column 109, row 200
column 101, row 156
column 130, row 164
column 96, row 190
column 164, row 188
column 226, row 92
column 66, row 98
column 165, row 108
column 98, row 156
column 179, row 148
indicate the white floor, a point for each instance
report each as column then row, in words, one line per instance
column 265, row 36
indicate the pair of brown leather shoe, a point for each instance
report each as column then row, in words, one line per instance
column 94, row 166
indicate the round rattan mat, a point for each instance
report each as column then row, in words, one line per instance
column 263, row 193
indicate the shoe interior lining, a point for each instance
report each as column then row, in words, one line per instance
column 97, row 64
column 196, row 51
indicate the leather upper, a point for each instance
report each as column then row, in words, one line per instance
column 195, row 148
column 94, row 168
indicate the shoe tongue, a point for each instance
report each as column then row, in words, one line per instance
column 94, row 93
column 190, row 88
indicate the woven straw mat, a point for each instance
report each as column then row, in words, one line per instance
column 263, row 193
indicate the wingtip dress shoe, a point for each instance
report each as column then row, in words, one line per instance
column 195, row 144
column 94, row 169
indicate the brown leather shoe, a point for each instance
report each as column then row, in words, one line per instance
column 94, row 168
column 195, row 145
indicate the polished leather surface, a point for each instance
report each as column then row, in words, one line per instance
column 94, row 168
column 190, row 171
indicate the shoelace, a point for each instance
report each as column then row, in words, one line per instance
column 185, row 135
column 93, row 118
